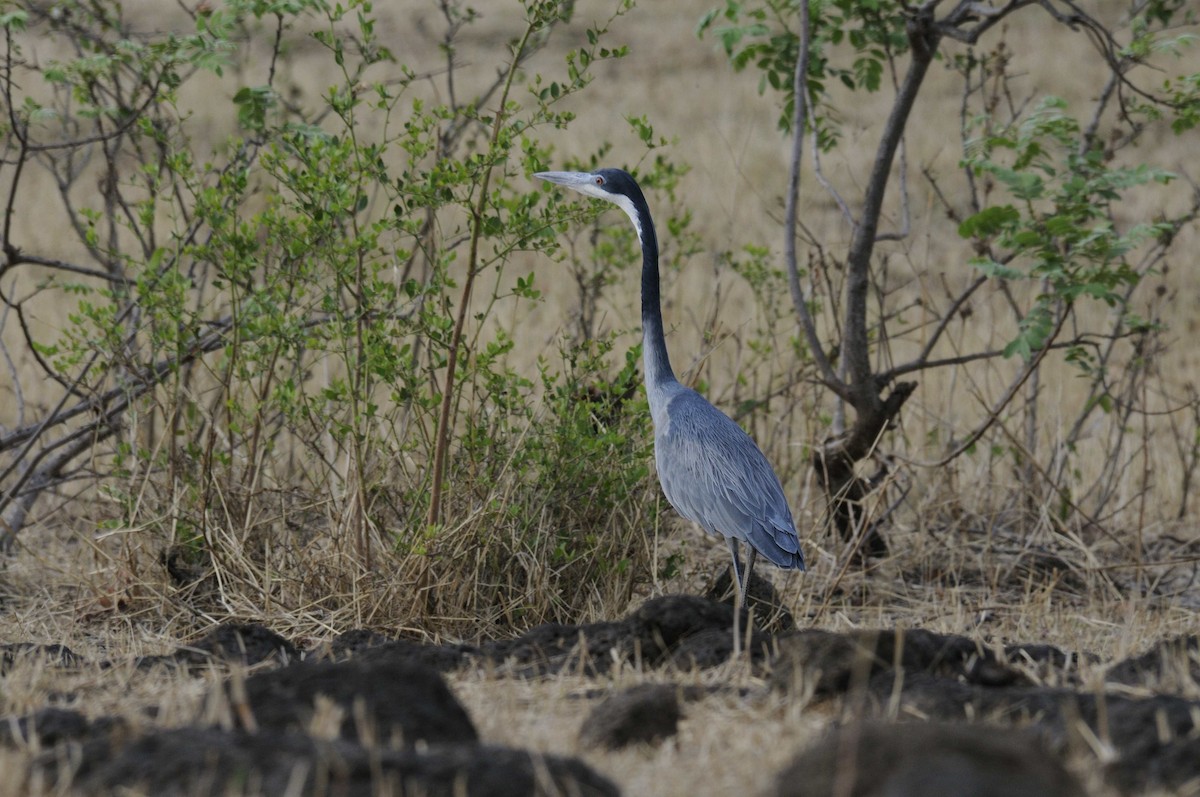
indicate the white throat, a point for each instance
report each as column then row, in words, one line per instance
column 620, row 200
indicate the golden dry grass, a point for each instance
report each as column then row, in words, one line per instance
column 106, row 599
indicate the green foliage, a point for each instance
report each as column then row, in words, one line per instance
column 283, row 308
column 1060, row 229
column 851, row 43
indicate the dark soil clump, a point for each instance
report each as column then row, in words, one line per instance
column 917, row 674
column 52, row 726
column 58, row 655
column 199, row 762
column 836, row 661
column 348, row 643
column 643, row 714
column 1150, row 736
column 1165, row 667
column 648, row 636
column 770, row 615
column 388, row 698
column 232, row 643
column 659, row 625
column 925, row 760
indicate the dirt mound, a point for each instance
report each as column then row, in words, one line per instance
column 52, row 726
column 1168, row 666
column 649, row 635
column 917, row 674
column 231, row 643
column 1148, row 738
column 364, row 726
column 642, row 714
column 391, row 699
column 925, row 760
column 204, row 761
column 835, row 661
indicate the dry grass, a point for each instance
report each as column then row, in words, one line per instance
column 960, row 553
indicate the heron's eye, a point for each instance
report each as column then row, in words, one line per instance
column 599, row 180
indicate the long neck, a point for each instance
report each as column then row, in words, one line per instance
column 654, row 342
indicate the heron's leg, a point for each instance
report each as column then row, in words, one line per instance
column 737, row 595
column 746, row 587
column 746, row 578
column 737, row 562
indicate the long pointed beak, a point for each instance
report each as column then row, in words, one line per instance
column 573, row 180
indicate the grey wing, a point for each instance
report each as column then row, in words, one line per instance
column 714, row 474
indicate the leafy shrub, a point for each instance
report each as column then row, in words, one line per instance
column 279, row 360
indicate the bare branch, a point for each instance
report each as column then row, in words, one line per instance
column 32, row 347
column 18, row 131
column 18, row 391
column 921, row 361
column 819, row 173
column 994, row 413
column 17, row 257
column 986, row 16
column 799, row 301
column 19, row 500
column 905, row 216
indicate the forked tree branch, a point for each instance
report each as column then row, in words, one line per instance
column 864, row 389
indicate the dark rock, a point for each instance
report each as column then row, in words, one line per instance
column 762, row 599
column 398, row 700
column 200, row 762
column 234, row 643
column 58, row 655
column 554, row 647
column 1174, row 765
column 834, row 662
column 925, row 760
column 643, row 714
column 51, row 726
column 714, row 648
column 650, row 635
column 442, row 658
column 353, row 642
column 1167, row 666
column 1148, row 734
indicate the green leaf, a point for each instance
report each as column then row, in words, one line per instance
column 995, row 270
column 989, row 221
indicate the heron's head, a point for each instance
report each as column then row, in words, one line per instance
column 613, row 185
